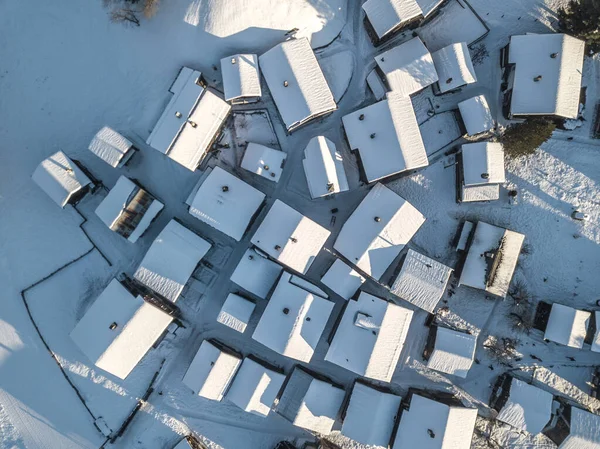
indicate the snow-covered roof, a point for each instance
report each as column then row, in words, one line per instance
column 263, row 161
column 471, row 194
column 584, row 432
column 211, row 371
column 376, row 85
column 225, row 202
column 293, row 321
column 465, row 233
column 504, row 244
column 453, row 352
column 476, row 115
column 129, row 199
column 60, row 178
column 171, row 260
column 377, row 230
column 136, row 324
column 255, row 388
column 342, row 279
column 483, row 163
column 324, row 168
column 236, row 312
column 387, row 15
column 558, row 60
column 370, row 337
column 527, row 408
column 387, row 137
column 422, row 281
column 370, row 416
column 241, row 77
column 567, row 326
column 256, row 273
column 454, row 67
column 110, row 146
column 297, row 84
column 289, row 237
column 596, row 341
column 407, row 67
column 429, row 424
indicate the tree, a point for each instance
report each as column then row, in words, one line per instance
column 124, row 15
column 522, row 139
column 127, row 11
column 581, row 18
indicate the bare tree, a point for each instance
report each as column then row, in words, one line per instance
column 128, row 11
column 124, row 15
column 503, row 350
column 522, row 310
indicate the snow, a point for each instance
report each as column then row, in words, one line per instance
column 111, row 147
column 211, row 371
column 138, row 327
column 453, row 352
column 342, row 279
column 378, row 229
column 387, row 15
column 454, row 67
column 241, row 78
column 60, row 178
column 236, row 312
column 527, row 408
column 294, row 334
column 465, row 232
column 557, row 93
column 226, row 203
column 256, row 273
column 263, row 161
column 297, row 85
column 338, row 69
column 567, row 326
column 472, row 194
column 370, row 353
column 388, row 138
column 376, row 85
column 483, row 157
column 476, row 115
column 596, row 341
column 324, row 168
column 584, row 432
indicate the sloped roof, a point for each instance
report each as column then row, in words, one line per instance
column 471, row 194
column 476, row 115
column 256, row 273
column 385, row 15
column 453, row 352
column 527, row 408
column 567, row 326
column 584, row 432
column 454, row 67
column 483, row 163
column 241, row 76
column 324, row 168
column 236, row 312
column 263, row 161
column 342, row 279
column 110, row 146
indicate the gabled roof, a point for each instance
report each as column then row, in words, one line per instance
column 567, row 326
column 387, row 137
column 584, row 432
column 527, row 408
column 263, row 161
column 476, row 115
column 453, row 352
column 377, row 230
column 342, row 279
column 471, row 194
column 387, row 15
column 236, row 312
column 324, row 168
column 241, row 77
column 454, row 67
column 483, row 163
column 110, row 146
column 256, row 273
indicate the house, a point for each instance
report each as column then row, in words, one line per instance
column 225, row 202
column 378, row 229
column 492, row 257
column 450, row 351
column 476, row 115
column 289, row 237
column 236, row 312
column 191, row 122
column 574, row 428
column 297, row 84
column 407, row 68
column 171, row 260
column 342, row 279
column 324, row 168
column 263, row 161
column 294, row 319
column 241, row 78
column 256, row 273
column 119, row 328
column 112, row 147
column 212, row 370
column 370, row 415
column 376, row 85
column 128, row 209
column 480, row 170
column 255, row 387
column 543, row 73
column 62, row 179
column 370, row 336
column 454, row 67
column 567, row 326
column 386, row 137
column 422, row 281
column 310, row 401
column 429, row 424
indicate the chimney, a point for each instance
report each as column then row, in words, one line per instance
column 225, row 188
column 285, row 84
column 372, row 136
column 449, row 80
column 537, row 78
column 377, row 219
column 361, row 117
column 554, row 55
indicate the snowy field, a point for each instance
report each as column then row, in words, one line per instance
column 66, row 71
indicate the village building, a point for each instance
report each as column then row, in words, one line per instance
column 342, row 279
column 573, row 428
column 62, row 179
column 241, row 78
column 595, row 342
column 297, row 84
column 476, row 116
column 225, row 202
column 454, row 68
column 263, row 161
column 289, row 237
column 112, row 147
column 256, row 273
column 119, row 328
column 369, row 337
column 450, row 351
column 294, row 319
column 567, row 326
column 386, row 137
column 324, row 168
column 480, row 171
column 543, row 75
column 378, row 229
column 378, row 88
column 236, row 312
column 128, row 209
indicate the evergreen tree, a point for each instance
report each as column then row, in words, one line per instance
column 581, row 18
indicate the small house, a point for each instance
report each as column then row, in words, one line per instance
column 450, row 351
column 568, row 326
column 573, row 428
column 112, row 147
column 342, row 279
column 324, row 168
column 454, row 68
column 476, row 116
column 256, row 273
column 480, row 170
column 241, row 78
column 236, row 312
column 378, row 88
column 263, row 161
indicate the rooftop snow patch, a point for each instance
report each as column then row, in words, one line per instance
column 297, row 84
column 376, row 232
column 527, row 408
column 584, row 432
column 370, row 337
column 171, row 260
column 453, row 352
column 454, row 67
column 241, row 78
column 429, row 424
column 236, row 312
column 111, row 147
column 387, row 137
column 256, row 273
column 211, row 371
column 118, row 329
column 225, row 202
column 60, row 178
column 422, row 281
column 289, row 237
column 342, row 279
column 548, row 72
column 471, row 194
column 263, row 161
column 324, row 168
column 567, row 326
column 476, row 115
column 483, row 163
